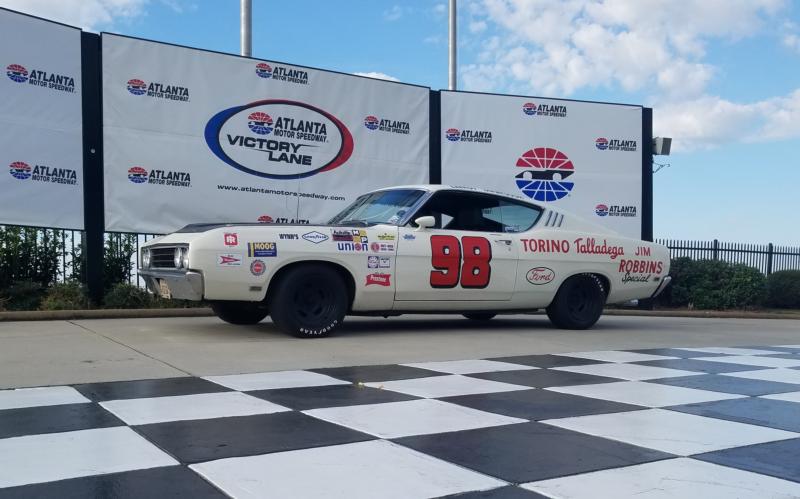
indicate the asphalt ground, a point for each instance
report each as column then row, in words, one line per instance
column 41, row 353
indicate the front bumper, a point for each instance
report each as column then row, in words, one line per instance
column 183, row 285
column 661, row 287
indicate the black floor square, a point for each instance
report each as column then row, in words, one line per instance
column 510, row 492
column 54, row 419
column 678, row 352
column 317, row 397
column 527, row 452
column 548, row 360
column 543, row 378
column 539, row 404
column 729, row 384
column 368, row 374
column 168, row 482
column 209, row 439
column 703, row 366
column 752, row 410
column 778, row 459
column 145, row 388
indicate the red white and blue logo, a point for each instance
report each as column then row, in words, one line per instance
column 137, row 87
column 601, row 143
column 20, row 170
column 137, row 175
column 529, row 108
column 545, row 172
column 264, row 70
column 17, row 73
column 260, row 123
column 453, row 134
column 371, row 122
column 601, row 210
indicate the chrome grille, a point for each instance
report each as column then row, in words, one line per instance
column 162, row 257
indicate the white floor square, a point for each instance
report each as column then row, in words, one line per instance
column 616, row 356
column 445, row 386
column 58, row 456
column 673, row 432
column 630, row 372
column 188, row 407
column 779, row 375
column 788, row 397
column 274, row 380
column 414, row 417
column 753, row 360
column 469, row 366
column 645, row 394
column 352, row 471
column 732, row 350
column 681, row 478
column 37, row 397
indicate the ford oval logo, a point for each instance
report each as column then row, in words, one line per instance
column 540, row 275
column 279, row 139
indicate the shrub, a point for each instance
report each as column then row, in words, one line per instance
column 65, row 296
column 124, row 295
column 713, row 284
column 22, row 295
column 783, row 289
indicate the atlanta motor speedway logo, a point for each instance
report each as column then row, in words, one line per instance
column 279, row 139
column 604, row 144
column 545, row 174
column 44, row 79
column 158, row 90
column 533, row 109
column 456, row 135
column 387, row 125
column 43, row 173
column 282, row 73
column 172, row 178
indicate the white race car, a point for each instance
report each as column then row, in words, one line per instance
column 414, row 249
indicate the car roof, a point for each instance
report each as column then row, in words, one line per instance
column 441, row 187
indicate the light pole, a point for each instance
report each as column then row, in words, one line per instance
column 246, row 35
column 452, row 76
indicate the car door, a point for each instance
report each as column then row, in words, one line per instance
column 456, row 261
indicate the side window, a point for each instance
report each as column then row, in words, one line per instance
column 518, row 217
column 466, row 211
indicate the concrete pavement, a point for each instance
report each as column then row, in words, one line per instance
column 80, row 351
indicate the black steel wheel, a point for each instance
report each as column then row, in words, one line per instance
column 240, row 312
column 309, row 301
column 578, row 303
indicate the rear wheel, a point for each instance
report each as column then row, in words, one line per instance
column 578, row 303
column 309, row 301
column 479, row 316
column 240, row 313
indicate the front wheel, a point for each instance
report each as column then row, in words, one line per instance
column 479, row 316
column 309, row 301
column 578, row 303
column 240, row 313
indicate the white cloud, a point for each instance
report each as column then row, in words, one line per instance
column 393, row 14
column 82, row 13
column 440, row 8
column 792, row 41
column 477, row 26
column 376, row 74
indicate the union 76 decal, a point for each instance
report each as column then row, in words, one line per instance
column 452, row 265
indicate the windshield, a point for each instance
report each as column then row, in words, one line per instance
column 382, row 207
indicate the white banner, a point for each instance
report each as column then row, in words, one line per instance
column 41, row 141
column 194, row 136
column 583, row 157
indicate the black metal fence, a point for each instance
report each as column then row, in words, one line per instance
column 767, row 258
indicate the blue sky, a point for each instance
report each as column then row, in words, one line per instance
column 723, row 76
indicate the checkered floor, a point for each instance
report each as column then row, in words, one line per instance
column 673, row 422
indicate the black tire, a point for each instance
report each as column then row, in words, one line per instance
column 309, row 301
column 578, row 303
column 240, row 313
column 479, row 316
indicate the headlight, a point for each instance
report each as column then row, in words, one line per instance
column 145, row 258
column 181, row 258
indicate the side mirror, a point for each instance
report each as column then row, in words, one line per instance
column 425, row 222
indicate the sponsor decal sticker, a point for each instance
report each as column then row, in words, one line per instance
column 379, row 279
column 288, row 236
column 456, row 135
column 261, row 250
column 382, row 247
column 378, row 262
column 354, row 235
column 297, row 141
column 258, row 267
column 39, row 78
column 545, row 174
column 540, row 275
column 626, row 145
column 409, row 237
column 158, row 90
column 352, row 246
column 231, row 239
column 171, row 178
column 386, row 237
column 229, row 259
column 615, row 210
column 315, row 237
